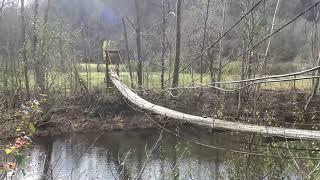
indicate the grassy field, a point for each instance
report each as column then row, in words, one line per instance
column 152, row 79
column 65, row 81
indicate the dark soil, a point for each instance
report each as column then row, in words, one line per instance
column 95, row 112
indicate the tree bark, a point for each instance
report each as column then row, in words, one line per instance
column 314, row 45
column 1, row 8
column 175, row 81
column 315, row 88
column 127, row 50
column 107, row 77
column 221, row 41
column 40, row 67
column 316, row 82
column 24, row 50
column 170, row 56
column 5, row 72
column 264, row 67
column 138, row 41
column 204, row 40
column 163, row 48
column 250, row 65
column 101, row 55
column 211, row 65
column 4, row 3
column 34, row 31
column 61, row 54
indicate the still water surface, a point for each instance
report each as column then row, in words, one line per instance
column 143, row 155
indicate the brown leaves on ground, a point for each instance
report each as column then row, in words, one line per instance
column 9, row 166
column 14, row 149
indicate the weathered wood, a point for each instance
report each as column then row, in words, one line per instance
column 210, row 122
column 127, row 50
column 107, row 61
column 270, row 77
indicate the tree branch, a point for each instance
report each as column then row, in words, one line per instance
column 4, row 4
column 131, row 23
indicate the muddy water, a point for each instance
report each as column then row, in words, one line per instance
column 150, row 154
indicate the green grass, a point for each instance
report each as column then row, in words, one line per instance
column 64, row 81
column 152, row 80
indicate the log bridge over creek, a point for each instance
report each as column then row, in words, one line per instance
column 209, row 122
column 219, row 123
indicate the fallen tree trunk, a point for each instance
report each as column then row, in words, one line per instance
column 210, row 122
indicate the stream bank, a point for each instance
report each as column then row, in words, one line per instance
column 108, row 111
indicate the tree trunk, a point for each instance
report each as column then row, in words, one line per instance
column 317, row 80
column 34, row 31
column 40, row 67
column 175, row 81
column 127, row 50
column 250, row 38
column 170, row 57
column 211, row 65
column 163, row 48
column 24, row 50
column 5, row 72
column 314, row 45
column 242, row 77
column 264, row 67
column 1, row 8
column 221, row 41
column 315, row 88
column 101, row 58
column 204, row 40
column 263, row 70
column 138, row 41
column 62, row 61
column 107, row 77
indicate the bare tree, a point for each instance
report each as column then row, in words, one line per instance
column 40, row 66
column 204, row 39
column 221, row 41
column 138, row 42
column 2, row 7
column 24, row 50
column 127, row 50
column 211, row 65
column 34, row 31
column 85, row 43
column 5, row 3
column 107, row 61
column 317, row 80
column 60, row 45
column 247, row 42
column 264, row 67
column 163, row 41
column 175, row 81
column 250, row 33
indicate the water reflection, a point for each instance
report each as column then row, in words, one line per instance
column 136, row 155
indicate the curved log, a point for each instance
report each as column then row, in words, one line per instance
column 210, row 122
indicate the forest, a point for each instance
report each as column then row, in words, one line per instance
column 199, row 89
column 51, row 45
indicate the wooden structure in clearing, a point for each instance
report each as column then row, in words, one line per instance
column 210, row 122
